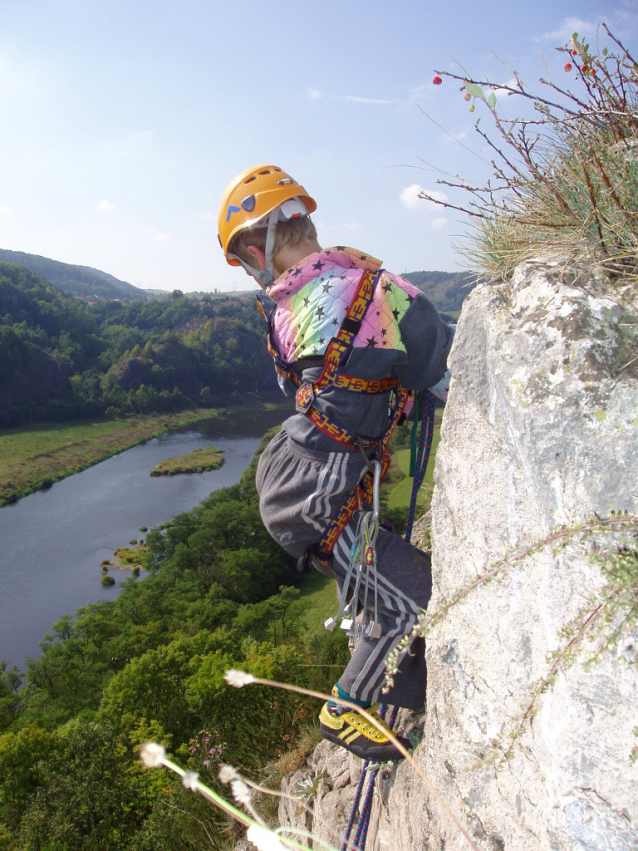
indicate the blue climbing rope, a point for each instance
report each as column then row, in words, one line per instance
column 361, row 832
column 418, row 466
column 419, row 459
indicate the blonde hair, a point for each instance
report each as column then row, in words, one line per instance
column 297, row 230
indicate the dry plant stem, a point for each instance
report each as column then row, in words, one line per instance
column 228, row 808
column 617, row 523
column 199, row 821
column 467, row 212
column 547, row 679
column 275, row 794
column 211, row 796
column 518, row 91
column 618, row 44
column 373, row 721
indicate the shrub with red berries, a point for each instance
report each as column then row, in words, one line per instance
column 565, row 179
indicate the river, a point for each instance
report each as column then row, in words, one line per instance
column 52, row 542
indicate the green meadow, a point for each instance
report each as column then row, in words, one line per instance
column 36, row 456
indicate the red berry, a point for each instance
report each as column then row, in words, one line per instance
column 592, row 71
column 437, row 80
column 568, row 66
column 467, row 96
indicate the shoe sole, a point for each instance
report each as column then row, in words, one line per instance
column 364, row 748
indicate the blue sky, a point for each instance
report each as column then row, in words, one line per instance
column 123, row 120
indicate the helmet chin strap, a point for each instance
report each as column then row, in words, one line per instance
column 266, row 276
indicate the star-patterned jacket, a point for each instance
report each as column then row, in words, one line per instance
column 401, row 335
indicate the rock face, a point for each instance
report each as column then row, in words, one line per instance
column 540, row 434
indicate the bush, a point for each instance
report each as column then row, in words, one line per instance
column 107, row 581
column 565, row 181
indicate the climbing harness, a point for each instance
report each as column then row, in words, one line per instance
column 336, row 357
column 362, row 564
column 369, row 771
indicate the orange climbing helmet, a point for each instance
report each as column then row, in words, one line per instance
column 252, row 195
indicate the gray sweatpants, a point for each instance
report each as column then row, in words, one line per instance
column 300, row 490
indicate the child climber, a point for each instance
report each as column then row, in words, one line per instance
column 349, row 340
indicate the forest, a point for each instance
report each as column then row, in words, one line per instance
column 217, row 593
column 62, row 359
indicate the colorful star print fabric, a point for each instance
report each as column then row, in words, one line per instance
column 314, row 296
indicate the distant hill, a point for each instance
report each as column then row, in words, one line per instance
column 446, row 290
column 81, row 281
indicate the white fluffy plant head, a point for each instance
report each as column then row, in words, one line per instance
column 264, row 839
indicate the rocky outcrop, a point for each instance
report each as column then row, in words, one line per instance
column 539, row 437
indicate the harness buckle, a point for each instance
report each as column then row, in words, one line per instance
column 304, row 398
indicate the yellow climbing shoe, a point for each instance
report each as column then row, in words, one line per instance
column 354, row 733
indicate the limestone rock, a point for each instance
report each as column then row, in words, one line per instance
column 540, row 433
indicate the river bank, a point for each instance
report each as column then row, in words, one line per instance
column 54, row 542
column 33, row 458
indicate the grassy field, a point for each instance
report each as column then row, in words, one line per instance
column 197, row 461
column 35, row 457
column 399, row 491
column 319, row 598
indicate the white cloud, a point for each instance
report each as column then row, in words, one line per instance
column 419, row 91
column 455, row 137
column 105, row 206
column 411, row 198
column 315, row 94
column 210, row 217
column 569, row 25
column 439, row 223
column 157, row 236
column 503, row 93
column 4, row 209
column 355, row 99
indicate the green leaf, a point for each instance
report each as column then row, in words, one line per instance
column 491, row 100
column 508, row 132
column 605, row 51
column 475, row 91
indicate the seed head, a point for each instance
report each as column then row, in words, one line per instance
column 190, row 781
column 263, row 839
column 238, row 679
column 228, row 773
column 152, row 754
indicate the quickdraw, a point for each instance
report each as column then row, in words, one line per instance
column 358, row 611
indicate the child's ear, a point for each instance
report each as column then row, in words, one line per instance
column 257, row 256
